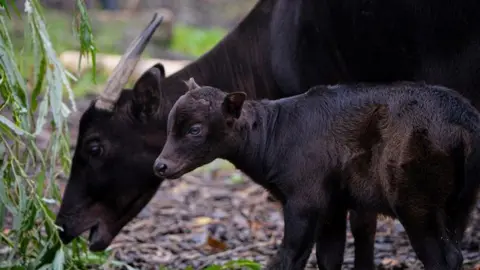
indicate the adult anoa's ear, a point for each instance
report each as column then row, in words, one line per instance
column 232, row 104
column 147, row 93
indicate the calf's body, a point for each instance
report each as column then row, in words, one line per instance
column 406, row 150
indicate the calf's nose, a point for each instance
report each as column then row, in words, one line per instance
column 159, row 168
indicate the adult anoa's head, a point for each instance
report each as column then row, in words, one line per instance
column 111, row 178
column 124, row 130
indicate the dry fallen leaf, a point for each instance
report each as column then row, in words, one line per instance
column 199, row 221
column 255, row 226
column 215, row 244
column 390, row 262
column 180, row 188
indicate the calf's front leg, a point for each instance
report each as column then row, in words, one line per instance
column 363, row 226
column 300, row 222
column 330, row 239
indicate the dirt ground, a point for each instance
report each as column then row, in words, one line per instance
column 216, row 214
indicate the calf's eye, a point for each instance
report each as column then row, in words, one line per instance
column 194, row 130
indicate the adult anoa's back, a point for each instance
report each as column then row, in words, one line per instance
column 406, row 150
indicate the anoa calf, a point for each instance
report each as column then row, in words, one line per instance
column 405, row 150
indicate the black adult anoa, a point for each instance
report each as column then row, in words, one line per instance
column 281, row 48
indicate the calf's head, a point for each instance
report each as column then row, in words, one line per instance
column 111, row 177
column 202, row 126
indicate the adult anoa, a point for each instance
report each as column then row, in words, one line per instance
column 279, row 49
column 406, row 150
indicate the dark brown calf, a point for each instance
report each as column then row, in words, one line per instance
column 406, row 150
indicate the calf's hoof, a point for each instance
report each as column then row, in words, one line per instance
column 370, row 266
column 273, row 263
column 364, row 263
column 279, row 263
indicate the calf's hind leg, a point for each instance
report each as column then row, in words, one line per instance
column 428, row 236
column 421, row 186
column 461, row 206
column 458, row 214
column 330, row 240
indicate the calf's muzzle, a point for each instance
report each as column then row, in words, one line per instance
column 159, row 168
column 168, row 168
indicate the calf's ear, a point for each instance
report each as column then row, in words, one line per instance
column 147, row 93
column 191, row 84
column 232, row 104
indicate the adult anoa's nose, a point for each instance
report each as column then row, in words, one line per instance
column 160, row 168
column 63, row 231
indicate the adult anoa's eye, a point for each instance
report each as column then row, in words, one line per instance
column 195, row 129
column 95, row 149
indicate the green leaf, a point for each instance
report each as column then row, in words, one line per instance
column 29, row 221
column 3, row 6
column 59, row 260
column 87, row 44
column 28, row 174
column 213, row 267
column 40, row 75
column 15, row 8
column 9, row 124
column 42, row 116
column 48, row 253
column 244, row 263
column 236, row 178
column 117, row 263
column 46, row 267
column 12, row 267
column 3, row 211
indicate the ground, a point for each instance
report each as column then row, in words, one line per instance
column 216, row 214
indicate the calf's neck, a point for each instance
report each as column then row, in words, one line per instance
column 406, row 150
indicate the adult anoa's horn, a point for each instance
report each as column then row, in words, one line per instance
column 126, row 66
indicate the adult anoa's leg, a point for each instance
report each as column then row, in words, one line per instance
column 300, row 221
column 330, row 239
column 363, row 226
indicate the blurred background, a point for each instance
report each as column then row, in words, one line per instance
column 190, row 28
